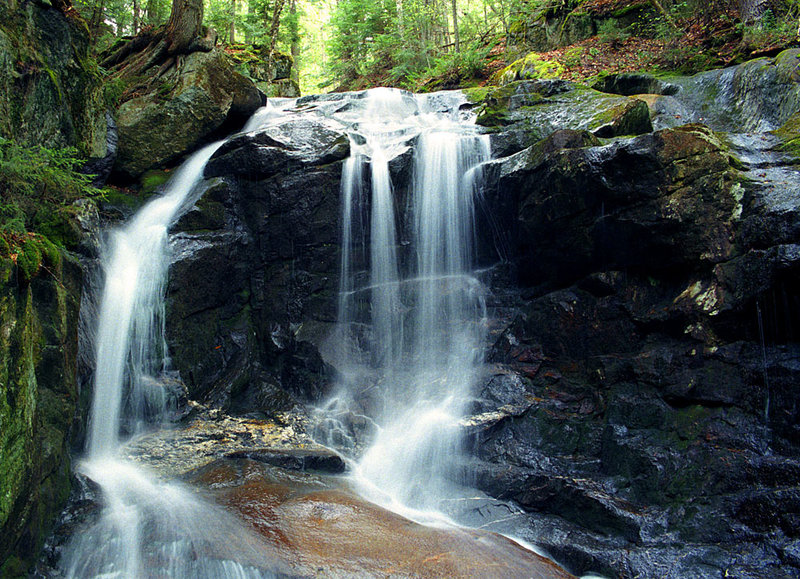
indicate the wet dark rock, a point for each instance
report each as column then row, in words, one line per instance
column 584, row 203
column 41, row 407
column 255, row 269
column 283, row 150
column 654, row 340
column 639, row 405
column 296, row 459
column 634, row 83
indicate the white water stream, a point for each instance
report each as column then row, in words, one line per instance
column 411, row 323
column 146, row 528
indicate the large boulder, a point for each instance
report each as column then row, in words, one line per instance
column 198, row 98
column 642, row 390
column 252, row 290
column 756, row 96
column 662, row 200
column 50, row 92
column 536, row 108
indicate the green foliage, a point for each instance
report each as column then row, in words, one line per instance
column 771, row 29
column 39, row 174
column 572, row 56
column 611, row 32
column 373, row 42
column 448, row 70
column 113, row 89
column 37, row 186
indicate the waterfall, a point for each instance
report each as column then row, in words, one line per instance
column 130, row 347
column 146, row 528
column 407, row 344
column 426, row 310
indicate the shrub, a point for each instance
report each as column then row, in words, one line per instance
column 37, row 187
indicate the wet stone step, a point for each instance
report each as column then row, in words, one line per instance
column 316, row 459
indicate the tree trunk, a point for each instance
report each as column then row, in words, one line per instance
column 232, row 34
column 751, row 10
column 184, row 24
column 136, row 17
column 273, row 35
column 455, row 28
column 295, row 42
column 400, row 23
column 247, row 38
column 97, row 16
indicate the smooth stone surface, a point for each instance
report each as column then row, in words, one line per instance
column 319, row 530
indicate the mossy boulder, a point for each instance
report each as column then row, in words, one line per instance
column 789, row 134
column 51, row 90
column 756, row 96
column 668, row 199
column 551, row 25
column 530, row 67
column 39, row 403
column 285, row 87
column 194, row 101
column 544, row 106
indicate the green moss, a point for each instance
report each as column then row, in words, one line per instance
column 153, row 179
column 789, row 134
column 29, row 260
column 476, row 94
column 530, row 67
column 13, row 567
column 689, row 423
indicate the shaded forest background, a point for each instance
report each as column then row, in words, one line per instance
column 431, row 44
column 420, row 45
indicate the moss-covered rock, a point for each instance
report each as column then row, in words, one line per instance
column 273, row 78
column 530, row 67
column 789, row 134
column 50, row 87
column 285, row 87
column 38, row 404
column 195, row 100
column 549, row 25
column 756, row 96
column 543, row 106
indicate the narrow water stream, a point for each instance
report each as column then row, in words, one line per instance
column 147, row 528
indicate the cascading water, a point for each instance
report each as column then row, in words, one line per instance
column 425, row 312
column 146, row 528
column 408, row 343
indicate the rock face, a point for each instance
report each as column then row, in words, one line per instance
column 49, row 94
column 524, row 112
column 554, row 25
column 252, row 290
column 38, row 407
column 199, row 97
column 642, row 397
column 275, row 80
